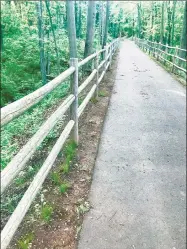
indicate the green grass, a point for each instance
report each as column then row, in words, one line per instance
column 93, row 100
column 102, row 94
column 27, row 176
column 65, row 168
column 64, row 187
column 46, row 213
column 56, row 179
column 70, row 149
column 69, row 153
column 24, row 242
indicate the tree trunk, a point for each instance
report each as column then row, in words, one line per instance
column 65, row 17
column 106, row 23
column 173, row 22
column 90, row 29
column 41, row 41
column 162, row 25
column 169, row 23
column 47, row 52
column 183, row 42
column 133, row 25
column 1, row 37
column 139, row 21
column 76, row 6
column 101, row 23
column 152, row 21
column 79, row 24
column 71, row 28
column 53, row 32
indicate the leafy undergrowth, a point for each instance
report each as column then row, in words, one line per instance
column 24, row 242
column 15, row 133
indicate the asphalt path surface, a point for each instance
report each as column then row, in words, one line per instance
column 138, row 192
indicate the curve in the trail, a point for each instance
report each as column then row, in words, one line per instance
column 138, row 188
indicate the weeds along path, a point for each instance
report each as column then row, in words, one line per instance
column 138, row 189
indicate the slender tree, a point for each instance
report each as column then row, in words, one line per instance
column 106, row 23
column 41, row 41
column 53, row 32
column 1, row 36
column 152, row 20
column 133, row 26
column 47, row 33
column 169, row 23
column 79, row 29
column 139, row 20
column 183, row 42
column 101, row 19
column 162, row 24
column 173, row 22
column 120, row 17
column 76, row 6
column 71, row 29
column 90, row 29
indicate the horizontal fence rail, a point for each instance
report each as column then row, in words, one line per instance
column 163, row 52
column 16, row 108
column 19, row 161
column 13, row 110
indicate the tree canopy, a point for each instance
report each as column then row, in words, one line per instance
column 34, row 35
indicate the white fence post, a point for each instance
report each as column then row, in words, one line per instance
column 105, row 56
column 174, row 57
column 110, row 57
column 154, row 49
column 97, row 73
column 74, row 107
column 159, row 47
column 166, row 54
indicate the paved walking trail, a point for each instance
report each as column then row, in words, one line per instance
column 138, row 188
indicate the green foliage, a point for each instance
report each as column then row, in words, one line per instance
column 64, row 187
column 56, row 178
column 65, row 167
column 94, row 100
column 27, row 175
column 46, row 213
column 27, row 124
column 10, row 203
column 20, row 52
column 24, row 242
column 69, row 153
column 102, row 94
column 70, row 150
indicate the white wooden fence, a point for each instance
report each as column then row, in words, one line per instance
column 163, row 53
column 18, row 107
